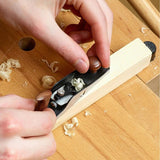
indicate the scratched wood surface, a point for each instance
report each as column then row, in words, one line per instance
column 124, row 124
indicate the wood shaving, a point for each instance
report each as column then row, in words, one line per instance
column 143, row 29
column 75, row 121
column 78, row 83
column 65, row 10
column 130, row 95
column 69, row 127
column 12, row 63
column 48, row 81
column 53, row 65
column 87, row 113
column 25, row 84
column 5, row 68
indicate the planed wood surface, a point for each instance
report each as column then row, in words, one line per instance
column 124, row 124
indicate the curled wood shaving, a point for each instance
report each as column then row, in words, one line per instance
column 53, row 65
column 48, row 81
column 25, row 84
column 5, row 68
column 78, row 83
column 69, row 127
column 75, row 121
column 143, row 29
column 87, row 113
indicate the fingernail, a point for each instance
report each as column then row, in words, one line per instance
column 81, row 66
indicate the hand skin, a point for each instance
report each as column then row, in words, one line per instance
column 25, row 134
column 37, row 17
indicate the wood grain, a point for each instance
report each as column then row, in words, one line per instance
column 127, row 27
column 128, row 130
column 111, row 135
column 149, row 13
column 142, row 105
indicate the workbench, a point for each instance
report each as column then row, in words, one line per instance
column 124, row 124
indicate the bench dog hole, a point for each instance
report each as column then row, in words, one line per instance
column 27, row 43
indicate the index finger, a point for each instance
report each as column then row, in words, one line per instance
column 17, row 102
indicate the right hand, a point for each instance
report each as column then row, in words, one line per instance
column 37, row 17
column 24, row 133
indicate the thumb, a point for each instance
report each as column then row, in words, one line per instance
column 66, row 46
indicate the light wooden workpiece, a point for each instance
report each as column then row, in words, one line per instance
column 124, row 124
column 125, row 63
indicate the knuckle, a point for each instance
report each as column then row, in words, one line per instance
column 8, row 125
column 30, row 103
column 50, row 121
column 48, row 125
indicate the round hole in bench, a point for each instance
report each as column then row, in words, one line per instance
column 27, row 43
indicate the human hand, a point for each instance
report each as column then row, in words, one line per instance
column 38, row 18
column 25, row 133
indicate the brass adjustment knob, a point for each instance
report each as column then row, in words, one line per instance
column 42, row 100
column 95, row 64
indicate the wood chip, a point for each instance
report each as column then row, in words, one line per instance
column 5, row 68
column 53, row 65
column 48, row 81
column 143, row 29
column 87, row 113
column 69, row 127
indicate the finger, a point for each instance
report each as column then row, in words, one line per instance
column 14, row 101
column 66, row 46
column 39, row 147
column 26, row 123
column 109, row 17
column 28, row 148
column 81, row 36
column 98, row 24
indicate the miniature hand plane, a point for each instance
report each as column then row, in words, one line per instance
column 76, row 91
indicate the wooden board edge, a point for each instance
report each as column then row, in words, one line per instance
column 125, row 64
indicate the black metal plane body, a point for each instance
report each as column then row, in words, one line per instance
column 63, row 91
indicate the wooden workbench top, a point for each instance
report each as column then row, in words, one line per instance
column 124, row 124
